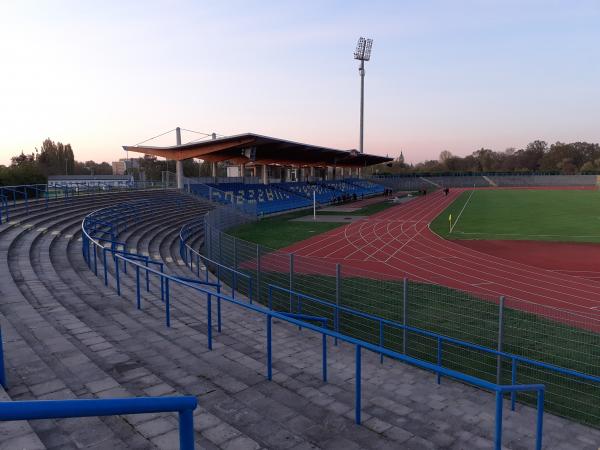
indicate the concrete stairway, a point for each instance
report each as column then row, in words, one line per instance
column 68, row 336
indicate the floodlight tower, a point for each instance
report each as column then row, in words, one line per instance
column 362, row 53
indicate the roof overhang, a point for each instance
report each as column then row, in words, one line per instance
column 264, row 149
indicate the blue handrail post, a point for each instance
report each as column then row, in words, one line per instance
column 137, row 287
column 147, row 277
column 209, row 319
column 324, row 358
column 218, row 308
column 498, row 431
column 104, row 250
column 357, row 392
column 513, row 381
column 381, row 340
column 167, row 303
column 439, row 358
column 540, row 419
column 117, row 276
column 162, row 285
column 2, row 368
column 338, row 293
column 186, row 430
column 269, row 348
column 95, row 259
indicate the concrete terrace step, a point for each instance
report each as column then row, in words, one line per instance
column 70, row 336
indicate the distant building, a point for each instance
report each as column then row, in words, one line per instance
column 125, row 166
column 89, row 180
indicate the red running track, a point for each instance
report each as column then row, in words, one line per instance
column 398, row 242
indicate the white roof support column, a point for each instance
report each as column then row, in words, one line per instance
column 179, row 164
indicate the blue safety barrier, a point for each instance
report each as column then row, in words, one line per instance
column 514, row 359
column 62, row 409
column 303, row 321
column 191, row 257
column 2, row 368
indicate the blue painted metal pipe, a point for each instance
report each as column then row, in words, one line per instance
column 61, row 409
column 2, row 368
column 357, row 387
column 269, row 348
column 209, row 320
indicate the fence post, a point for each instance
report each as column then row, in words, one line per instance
column 258, row 272
column 404, row 313
column 235, row 266
column 338, row 294
column 500, row 340
column 291, row 274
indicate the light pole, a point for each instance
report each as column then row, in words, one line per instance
column 362, row 53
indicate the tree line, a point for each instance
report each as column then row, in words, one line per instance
column 537, row 156
column 56, row 158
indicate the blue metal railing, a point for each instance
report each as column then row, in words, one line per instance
column 295, row 319
column 191, row 256
column 514, row 359
column 440, row 338
column 29, row 194
column 60, row 409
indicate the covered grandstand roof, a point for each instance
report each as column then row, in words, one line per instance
column 250, row 147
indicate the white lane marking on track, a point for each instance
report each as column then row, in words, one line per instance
column 440, row 243
column 445, row 245
column 461, row 211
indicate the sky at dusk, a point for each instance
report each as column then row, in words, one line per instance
column 454, row 75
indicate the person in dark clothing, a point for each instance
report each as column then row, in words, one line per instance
column 446, row 191
column 354, row 196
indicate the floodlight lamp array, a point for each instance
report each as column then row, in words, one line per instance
column 363, row 49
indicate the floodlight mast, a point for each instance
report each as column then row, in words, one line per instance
column 362, row 53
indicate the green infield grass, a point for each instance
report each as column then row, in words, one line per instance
column 512, row 214
column 281, row 231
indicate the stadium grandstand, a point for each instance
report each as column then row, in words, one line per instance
column 326, row 175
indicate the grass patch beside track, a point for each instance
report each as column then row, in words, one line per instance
column 512, row 214
column 280, row 231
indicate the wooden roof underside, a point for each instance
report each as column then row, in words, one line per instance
column 268, row 150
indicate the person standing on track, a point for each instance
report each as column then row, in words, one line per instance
column 446, row 191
